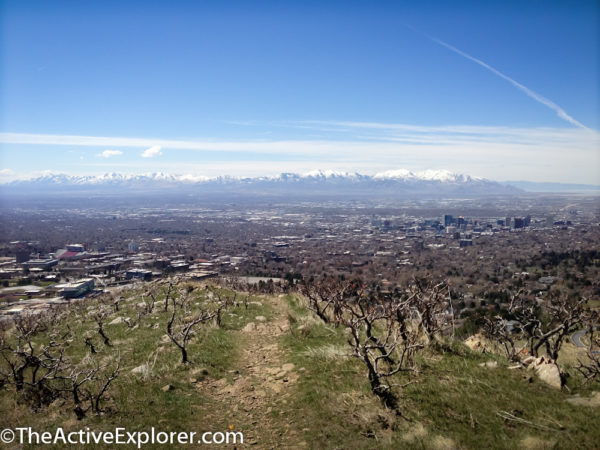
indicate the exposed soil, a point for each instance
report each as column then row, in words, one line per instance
column 257, row 394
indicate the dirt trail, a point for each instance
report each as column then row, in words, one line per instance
column 257, row 398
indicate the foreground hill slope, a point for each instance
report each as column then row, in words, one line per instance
column 276, row 373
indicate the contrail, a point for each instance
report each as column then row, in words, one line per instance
column 534, row 95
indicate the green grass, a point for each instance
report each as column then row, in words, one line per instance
column 137, row 401
column 451, row 401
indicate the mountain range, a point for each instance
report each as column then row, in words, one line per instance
column 391, row 183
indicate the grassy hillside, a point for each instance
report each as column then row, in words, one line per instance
column 275, row 372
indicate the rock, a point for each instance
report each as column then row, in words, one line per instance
column 476, row 343
column 443, row 443
column 516, row 366
column 260, row 318
column 275, row 387
column 593, row 401
column 255, row 303
column 165, row 339
column 140, row 369
column 287, row 367
column 489, row 364
column 167, row 388
column 249, row 328
column 116, row 321
column 536, row 443
column 529, row 360
column 193, row 380
column 220, row 383
column 548, row 372
column 260, row 393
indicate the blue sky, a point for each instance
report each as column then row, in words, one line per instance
column 505, row 90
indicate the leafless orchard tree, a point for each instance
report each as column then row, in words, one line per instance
column 90, row 345
column 182, row 323
column 149, row 299
column 386, row 329
column 590, row 368
column 546, row 325
column 223, row 300
column 168, row 295
column 117, row 301
column 88, row 383
column 430, row 302
column 41, row 372
column 325, row 297
column 381, row 338
column 100, row 316
column 497, row 329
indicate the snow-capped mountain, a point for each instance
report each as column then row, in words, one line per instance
column 431, row 183
column 426, row 175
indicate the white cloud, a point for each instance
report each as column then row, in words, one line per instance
column 534, row 95
column 500, row 153
column 151, row 152
column 109, row 153
column 8, row 175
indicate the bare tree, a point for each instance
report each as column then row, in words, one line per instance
column 429, row 302
column 546, row 325
column 99, row 317
column 385, row 329
column 117, row 302
column 89, row 383
column 42, row 373
column 222, row 301
column 168, row 295
column 181, row 325
column 590, row 368
column 325, row 297
column 149, row 300
column 90, row 344
column 381, row 341
column 30, row 369
column 497, row 328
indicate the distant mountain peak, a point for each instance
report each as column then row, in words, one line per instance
column 394, row 182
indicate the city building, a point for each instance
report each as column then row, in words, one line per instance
column 75, row 289
column 44, row 264
column 140, row 274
